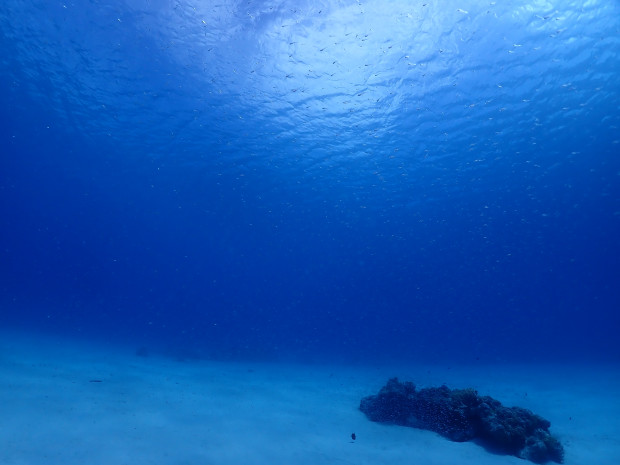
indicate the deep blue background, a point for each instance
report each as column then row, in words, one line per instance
column 195, row 179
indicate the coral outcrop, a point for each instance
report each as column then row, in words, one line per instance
column 463, row 415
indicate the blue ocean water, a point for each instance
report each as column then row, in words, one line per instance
column 314, row 180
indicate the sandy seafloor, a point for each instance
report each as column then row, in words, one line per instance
column 76, row 403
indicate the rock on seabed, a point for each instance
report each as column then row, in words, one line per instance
column 463, row 415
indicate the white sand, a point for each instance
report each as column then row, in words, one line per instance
column 160, row 411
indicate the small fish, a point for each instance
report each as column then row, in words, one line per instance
column 353, row 436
